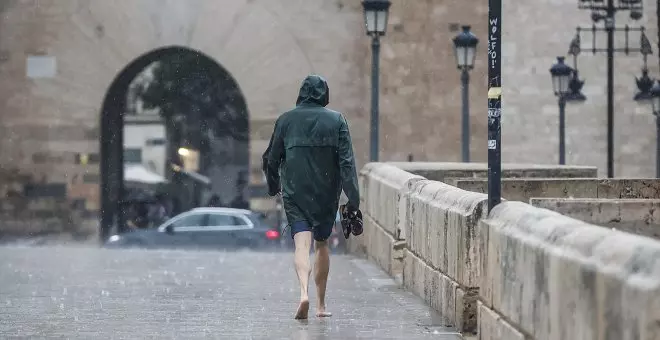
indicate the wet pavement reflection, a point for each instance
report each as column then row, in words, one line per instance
column 90, row 293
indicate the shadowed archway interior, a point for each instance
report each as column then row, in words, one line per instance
column 224, row 153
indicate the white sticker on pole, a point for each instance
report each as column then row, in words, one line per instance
column 492, row 144
column 40, row 66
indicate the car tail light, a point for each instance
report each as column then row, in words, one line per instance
column 272, row 235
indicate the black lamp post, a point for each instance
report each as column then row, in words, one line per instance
column 465, row 49
column 375, row 19
column 494, row 103
column 644, row 83
column 605, row 11
column 655, row 104
column 576, row 84
column 561, row 79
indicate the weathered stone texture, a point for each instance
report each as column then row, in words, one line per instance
column 520, row 273
column 637, row 216
column 431, row 242
column 525, row 189
column 449, row 172
column 384, row 193
column 493, row 327
column 554, row 277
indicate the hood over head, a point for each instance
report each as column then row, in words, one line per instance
column 314, row 90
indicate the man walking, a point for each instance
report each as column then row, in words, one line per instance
column 311, row 150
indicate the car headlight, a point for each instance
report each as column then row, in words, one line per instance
column 114, row 238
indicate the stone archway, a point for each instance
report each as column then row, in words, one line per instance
column 226, row 176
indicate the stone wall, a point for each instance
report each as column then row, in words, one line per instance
column 441, row 259
column 46, row 119
column 636, row 216
column 28, row 208
column 520, row 273
column 548, row 276
column 401, row 231
column 527, row 188
column 449, row 172
column 385, row 220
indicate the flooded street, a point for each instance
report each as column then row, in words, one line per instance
column 90, row 293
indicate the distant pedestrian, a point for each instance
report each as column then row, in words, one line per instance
column 311, row 149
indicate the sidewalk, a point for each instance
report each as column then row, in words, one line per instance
column 89, row 293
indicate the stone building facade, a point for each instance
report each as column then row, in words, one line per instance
column 57, row 59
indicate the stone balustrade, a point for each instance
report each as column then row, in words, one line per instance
column 520, row 272
column 447, row 171
column 523, row 189
column 636, row 216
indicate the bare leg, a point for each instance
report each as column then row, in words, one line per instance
column 303, row 242
column 321, row 270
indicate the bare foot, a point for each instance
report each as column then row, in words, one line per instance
column 303, row 310
column 322, row 313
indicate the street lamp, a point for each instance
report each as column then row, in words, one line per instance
column 561, row 79
column 465, row 49
column 605, row 12
column 655, row 104
column 644, row 83
column 576, row 84
column 375, row 20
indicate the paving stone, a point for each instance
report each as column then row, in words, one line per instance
column 90, row 293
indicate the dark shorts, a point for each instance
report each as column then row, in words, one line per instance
column 321, row 233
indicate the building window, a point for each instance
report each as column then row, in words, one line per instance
column 156, row 141
column 132, row 156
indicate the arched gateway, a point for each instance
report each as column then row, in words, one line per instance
column 65, row 64
column 223, row 164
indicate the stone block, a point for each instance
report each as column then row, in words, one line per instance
column 356, row 246
column 527, row 188
column 493, row 327
column 385, row 190
column 629, row 188
column 456, row 305
column 554, row 277
column 637, row 216
column 382, row 248
column 443, row 228
column 466, row 309
column 449, row 171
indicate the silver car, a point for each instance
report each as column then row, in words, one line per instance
column 204, row 228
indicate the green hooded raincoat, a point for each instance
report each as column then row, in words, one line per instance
column 310, row 158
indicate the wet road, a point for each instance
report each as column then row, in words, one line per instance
column 89, row 293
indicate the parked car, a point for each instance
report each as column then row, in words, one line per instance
column 204, row 228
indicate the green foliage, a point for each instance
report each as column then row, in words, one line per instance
column 192, row 85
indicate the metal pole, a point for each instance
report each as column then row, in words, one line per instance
column 562, row 129
column 465, row 83
column 375, row 53
column 609, row 25
column 657, row 118
column 494, row 102
column 657, row 147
